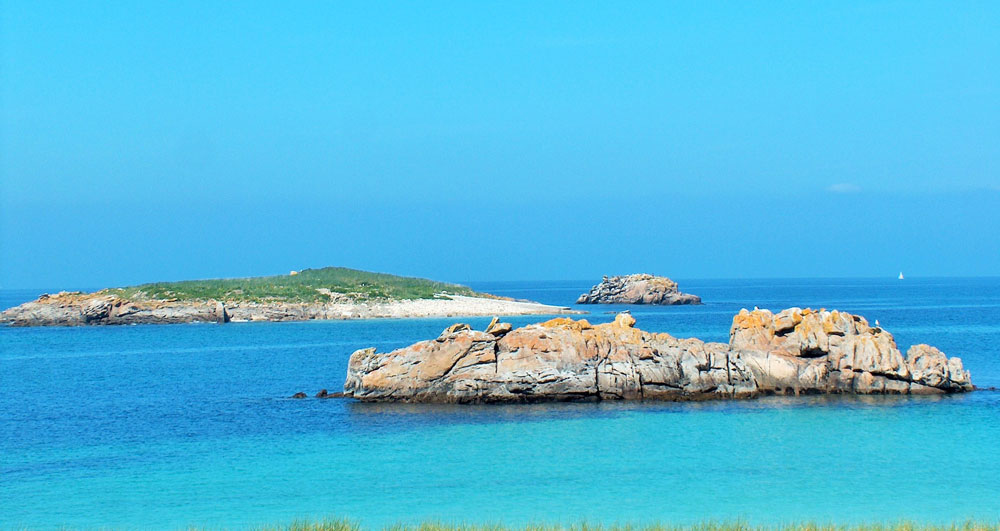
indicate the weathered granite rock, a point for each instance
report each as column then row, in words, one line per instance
column 75, row 308
column 795, row 351
column 97, row 309
column 457, row 327
column 106, row 308
column 637, row 289
column 800, row 350
column 561, row 359
column 221, row 315
column 498, row 329
column 930, row 368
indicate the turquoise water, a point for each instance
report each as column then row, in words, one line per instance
column 168, row 426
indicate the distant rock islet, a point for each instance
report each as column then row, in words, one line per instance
column 637, row 289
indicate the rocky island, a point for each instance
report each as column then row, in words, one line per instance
column 637, row 289
column 792, row 352
column 327, row 293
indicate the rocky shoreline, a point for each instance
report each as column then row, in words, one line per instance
column 796, row 351
column 77, row 309
column 637, row 289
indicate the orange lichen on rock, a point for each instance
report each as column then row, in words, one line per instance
column 566, row 322
column 624, row 320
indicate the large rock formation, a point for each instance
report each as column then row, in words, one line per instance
column 106, row 308
column 796, row 351
column 637, row 289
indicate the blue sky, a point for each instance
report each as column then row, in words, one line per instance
column 492, row 141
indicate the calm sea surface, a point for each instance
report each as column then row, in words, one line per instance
column 169, row 426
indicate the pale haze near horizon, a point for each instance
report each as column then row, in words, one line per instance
column 507, row 141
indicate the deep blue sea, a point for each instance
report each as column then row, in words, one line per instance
column 178, row 425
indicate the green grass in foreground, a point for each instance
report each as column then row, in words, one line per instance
column 307, row 286
column 348, row 525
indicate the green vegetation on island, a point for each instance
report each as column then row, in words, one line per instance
column 348, row 525
column 308, row 285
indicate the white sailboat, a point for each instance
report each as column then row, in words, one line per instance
column 900, row 275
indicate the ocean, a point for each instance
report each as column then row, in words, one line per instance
column 191, row 425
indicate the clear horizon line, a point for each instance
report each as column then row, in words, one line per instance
column 51, row 289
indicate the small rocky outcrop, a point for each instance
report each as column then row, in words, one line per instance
column 793, row 352
column 75, row 308
column 637, row 289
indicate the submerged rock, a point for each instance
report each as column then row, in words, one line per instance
column 795, row 351
column 637, row 289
